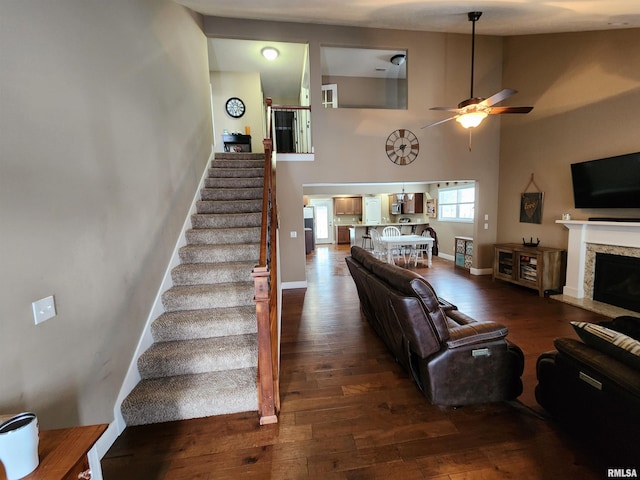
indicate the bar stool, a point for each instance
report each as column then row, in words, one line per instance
column 366, row 238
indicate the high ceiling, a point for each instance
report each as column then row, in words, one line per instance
column 501, row 17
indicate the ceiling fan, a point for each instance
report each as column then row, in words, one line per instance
column 472, row 111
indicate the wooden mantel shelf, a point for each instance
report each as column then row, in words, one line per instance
column 63, row 452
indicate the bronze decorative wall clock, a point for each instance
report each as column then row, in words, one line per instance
column 402, row 146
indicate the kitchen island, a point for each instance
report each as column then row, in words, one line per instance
column 356, row 231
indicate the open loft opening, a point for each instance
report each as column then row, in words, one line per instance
column 250, row 72
column 364, row 77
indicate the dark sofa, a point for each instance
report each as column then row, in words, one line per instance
column 454, row 359
column 592, row 387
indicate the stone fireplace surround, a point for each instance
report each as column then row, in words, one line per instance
column 586, row 238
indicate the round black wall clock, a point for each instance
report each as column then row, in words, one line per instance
column 402, row 147
column 235, row 107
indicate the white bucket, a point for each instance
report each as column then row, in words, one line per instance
column 19, row 444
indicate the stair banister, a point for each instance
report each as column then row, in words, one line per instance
column 266, row 292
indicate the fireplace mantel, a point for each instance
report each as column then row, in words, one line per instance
column 582, row 233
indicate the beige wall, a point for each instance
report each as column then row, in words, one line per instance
column 247, row 87
column 105, row 130
column 586, row 92
column 350, row 143
column 363, row 92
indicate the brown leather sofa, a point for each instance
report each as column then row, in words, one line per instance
column 592, row 388
column 454, row 359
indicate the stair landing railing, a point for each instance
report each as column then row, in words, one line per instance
column 266, row 294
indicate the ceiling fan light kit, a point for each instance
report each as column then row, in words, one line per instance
column 471, row 119
column 472, row 111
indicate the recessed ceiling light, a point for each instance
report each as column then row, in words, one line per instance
column 270, row 53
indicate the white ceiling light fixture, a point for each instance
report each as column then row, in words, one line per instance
column 398, row 59
column 270, row 53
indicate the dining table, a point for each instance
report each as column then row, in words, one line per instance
column 398, row 241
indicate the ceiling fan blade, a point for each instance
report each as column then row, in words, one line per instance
column 498, row 97
column 448, row 109
column 441, row 121
column 499, row 110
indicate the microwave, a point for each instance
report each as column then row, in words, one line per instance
column 396, row 208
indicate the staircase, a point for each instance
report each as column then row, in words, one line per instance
column 203, row 361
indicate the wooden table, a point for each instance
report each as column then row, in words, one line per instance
column 398, row 241
column 63, row 453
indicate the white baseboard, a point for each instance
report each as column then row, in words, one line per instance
column 481, row 271
column 292, row 285
column 446, row 256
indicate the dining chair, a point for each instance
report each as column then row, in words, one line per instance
column 399, row 251
column 420, row 250
column 379, row 251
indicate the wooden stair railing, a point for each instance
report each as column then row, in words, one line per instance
column 266, row 294
column 298, row 110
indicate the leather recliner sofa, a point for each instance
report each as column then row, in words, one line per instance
column 592, row 386
column 454, row 359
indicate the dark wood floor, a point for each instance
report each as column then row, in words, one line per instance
column 350, row 412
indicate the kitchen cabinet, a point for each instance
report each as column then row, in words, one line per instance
column 540, row 268
column 347, row 206
column 413, row 205
column 343, row 234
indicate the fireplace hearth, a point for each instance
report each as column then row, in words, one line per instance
column 617, row 280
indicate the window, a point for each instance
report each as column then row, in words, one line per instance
column 457, row 204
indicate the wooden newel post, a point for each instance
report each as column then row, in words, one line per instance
column 266, row 403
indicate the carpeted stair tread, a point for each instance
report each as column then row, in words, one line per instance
column 221, row 236
column 241, row 252
column 191, row 297
column 231, row 193
column 204, row 323
column 219, row 172
column 213, row 220
column 229, row 206
column 230, row 163
column 210, row 273
column 203, row 360
column 223, row 182
column 182, row 357
column 191, row 396
column 239, row 156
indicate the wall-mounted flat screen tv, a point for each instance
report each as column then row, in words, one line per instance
column 612, row 182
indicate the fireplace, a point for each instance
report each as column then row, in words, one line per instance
column 586, row 240
column 617, row 280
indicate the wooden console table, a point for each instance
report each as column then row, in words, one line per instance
column 540, row 268
column 63, row 453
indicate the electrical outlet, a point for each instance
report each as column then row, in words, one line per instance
column 486, row 226
column 44, row 309
column 294, row 234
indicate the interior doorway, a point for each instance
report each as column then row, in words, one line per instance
column 324, row 219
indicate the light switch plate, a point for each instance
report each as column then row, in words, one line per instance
column 294, row 234
column 44, row 309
